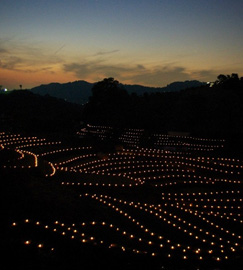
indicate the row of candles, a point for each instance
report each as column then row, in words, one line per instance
column 202, row 237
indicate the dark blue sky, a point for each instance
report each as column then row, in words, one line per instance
column 146, row 42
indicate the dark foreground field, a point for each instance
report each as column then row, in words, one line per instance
column 174, row 205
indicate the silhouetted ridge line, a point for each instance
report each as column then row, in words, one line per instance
column 80, row 91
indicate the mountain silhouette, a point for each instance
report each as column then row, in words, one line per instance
column 76, row 92
column 80, row 91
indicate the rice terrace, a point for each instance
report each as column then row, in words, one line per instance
column 152, row 201
column 121, row 126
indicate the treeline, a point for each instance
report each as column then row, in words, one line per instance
column 214, row 110
column 210, row 110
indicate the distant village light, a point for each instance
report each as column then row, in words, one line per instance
column 2, row 90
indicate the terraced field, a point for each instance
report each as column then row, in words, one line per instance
column 173, row 204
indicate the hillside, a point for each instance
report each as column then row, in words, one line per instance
column 203, row 111
column 80, row 91
column 24, row 111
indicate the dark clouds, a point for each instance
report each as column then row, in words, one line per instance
column 105, row 52
column 139, row 74
column 98, row 69
column 205, row 74
column 19, row 56
column 23, row 57
column 11, row 63
column 161, row 75
column 3, row 51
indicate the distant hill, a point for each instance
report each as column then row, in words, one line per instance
column 173, row 87
column 76, row 92
column 80, row 91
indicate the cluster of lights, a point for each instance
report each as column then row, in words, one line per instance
column 130, row 167
column 203, row 201
column 38, row 144
column 3, row 136
column 186, row 142
column 80, row 232
column 64, row 150
column 20, row 140
column 15, row 142
column 75, row 159
column 100, row 131
column 177, row 158
column 209, row 245
column 193, row 215
column 77, row 183
column 154, row 241
column 53, row 170
column 99, row 127
column 129, row 162
column 33, row 155
column 6, row 138
column 190, row 206
column 131, row 137
column 112, row 158
column 100, row 134
column 23, row 156
column 189, row 137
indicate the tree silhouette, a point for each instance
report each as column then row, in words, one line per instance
column 235, row 76
column 203, row 111
column 221, row 78
column 108, row 103
column 107, row 89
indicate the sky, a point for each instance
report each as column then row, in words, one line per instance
column 147, row 42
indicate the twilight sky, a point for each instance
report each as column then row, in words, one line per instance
column 148, row 42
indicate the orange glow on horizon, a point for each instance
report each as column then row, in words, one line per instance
column 13, row 79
